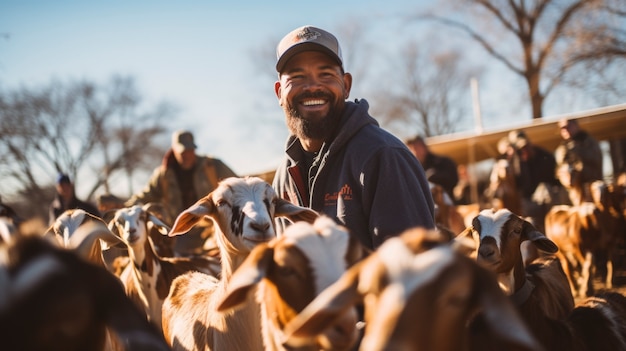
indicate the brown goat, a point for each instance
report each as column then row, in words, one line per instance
column 586, row 232
column 419, row 293
column 539, row 289
column 288, row 272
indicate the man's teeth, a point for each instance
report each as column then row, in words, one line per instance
column 313, row 102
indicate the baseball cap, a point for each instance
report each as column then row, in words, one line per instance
column 63, row 178
column 182, row 140
column 307, row 38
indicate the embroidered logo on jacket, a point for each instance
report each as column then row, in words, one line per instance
column 345, row 193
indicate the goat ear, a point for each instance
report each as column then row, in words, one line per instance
column 251, row 271
column 326, row 307
column 293, row 212
column 88, row 233
column 160, row 226
column 194, row 214
column 541, row 241
column 108, row 216
column 465, row 245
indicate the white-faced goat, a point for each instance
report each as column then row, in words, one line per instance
column 540, row 289
column 147, row 277
column 288, row 272
column 244, row 211
column 89, row 244
column 419, row 293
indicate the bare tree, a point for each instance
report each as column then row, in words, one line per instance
column 427, row 90
column 76, row 127
column 557, row 39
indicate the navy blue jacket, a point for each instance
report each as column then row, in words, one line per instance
column 367, row 180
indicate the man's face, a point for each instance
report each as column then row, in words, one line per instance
column 312, row 91
column 186, row 159
column 65, row 190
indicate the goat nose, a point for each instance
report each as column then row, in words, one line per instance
column 260, row 226
column 486, row 251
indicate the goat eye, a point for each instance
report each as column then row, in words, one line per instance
column 222, row 203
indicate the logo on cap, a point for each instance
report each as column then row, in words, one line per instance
column 307, row 38
column 308, row 34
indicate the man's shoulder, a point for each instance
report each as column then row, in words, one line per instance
column 206, row 160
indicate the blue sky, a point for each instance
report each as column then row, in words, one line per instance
column 195, row 54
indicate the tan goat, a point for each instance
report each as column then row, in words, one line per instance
column 288, row 272
column 419, row 293
column 244, row 210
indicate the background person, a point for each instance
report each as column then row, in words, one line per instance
column 441, row 170
column 65, row 199
column 182, row 179
column 535, row 177
column 338, row 161
column 581, row 153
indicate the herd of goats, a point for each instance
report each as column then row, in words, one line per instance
column 494, row 281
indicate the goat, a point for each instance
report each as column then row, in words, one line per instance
column 52, row 299
column 503, row 191
column 88, row 244
column 539, row 284
column 446, row 214
column 147, row 278
column 244, row 212
column 584, row 232
column 419, row 293
column 288, row 272
column 538, row 289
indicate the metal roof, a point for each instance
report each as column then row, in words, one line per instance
column 469, row 147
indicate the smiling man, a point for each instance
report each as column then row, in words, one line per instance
column 338, row 160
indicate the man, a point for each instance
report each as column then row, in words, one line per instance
column 338, row 160
column 182, row 179
column 580, row 150
column 536, row 164
column 440, row 170
column 66, row 199
column 579, row 160
column 535, row 177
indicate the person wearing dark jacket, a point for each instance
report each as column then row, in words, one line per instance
column 66, row 199
column 536, row 164
column 440, row 170
column 338, row 161
column 579, row 150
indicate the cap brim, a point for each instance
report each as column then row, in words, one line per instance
column 301, row 47
column 180, row 148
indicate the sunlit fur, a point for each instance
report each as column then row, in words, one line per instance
column 419, row 293
column 147, row 278
column 289, row 272
column 540, row 289
column 190, row 318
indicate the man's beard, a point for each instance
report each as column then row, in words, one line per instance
column 321, row 128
